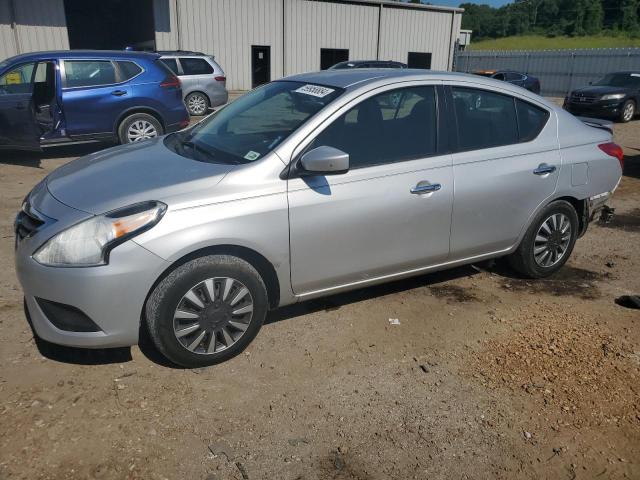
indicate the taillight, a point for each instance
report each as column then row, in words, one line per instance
column 613, row 150
column 221, row 79
column 170, row 81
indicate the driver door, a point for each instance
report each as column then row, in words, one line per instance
column 18, row 127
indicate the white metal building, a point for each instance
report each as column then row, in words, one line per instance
column 253, row 40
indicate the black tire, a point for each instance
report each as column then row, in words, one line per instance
column 523, row 259
column 197, row 103
column 624, row 114
column 138, row 118
column 168, row 295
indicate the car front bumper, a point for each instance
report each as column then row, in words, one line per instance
column 112, row 296
column 597, row 110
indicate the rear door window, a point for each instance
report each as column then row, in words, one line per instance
column 195, row 66
column 88, row 73
column 484, row 119
column 172, row 63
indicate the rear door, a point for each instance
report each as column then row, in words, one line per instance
column 505, row 166
column 18, row 127
column 92, row 96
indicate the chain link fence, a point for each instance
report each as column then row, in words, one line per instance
column 559, row 71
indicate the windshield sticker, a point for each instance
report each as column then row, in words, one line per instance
column 315, row 90
column 251, row 155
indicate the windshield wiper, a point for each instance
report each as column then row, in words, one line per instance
column 197, row 148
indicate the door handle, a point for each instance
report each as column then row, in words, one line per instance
column 421, row 189
column 543, row 169
column 118, row 93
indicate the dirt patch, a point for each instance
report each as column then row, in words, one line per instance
column 568, row 282
column 569, row 365
column 453, row 293
column 629, row 221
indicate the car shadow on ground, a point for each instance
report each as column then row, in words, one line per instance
column 632, row 164
column 34, row 159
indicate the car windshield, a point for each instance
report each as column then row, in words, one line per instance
column 629, row 80
column 249, row 128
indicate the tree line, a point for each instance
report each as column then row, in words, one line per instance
column 553, row 18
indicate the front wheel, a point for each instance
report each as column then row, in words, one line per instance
column 549, row 241
column 628, row 111
column 207, row 310
column 139, row 127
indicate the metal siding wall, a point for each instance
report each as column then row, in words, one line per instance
column 165, row 19
column 228, row 29
column 406, row 30
column 41, row 25
column 7, row 39
column 559, row 71
column 312, row 25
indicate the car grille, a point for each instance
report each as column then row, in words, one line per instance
column 582, row 98
column 28, row 221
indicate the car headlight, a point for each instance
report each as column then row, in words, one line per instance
column 613, row 96
column 89, row 242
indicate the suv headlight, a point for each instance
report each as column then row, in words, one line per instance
column 89, row 242
column 613, row 96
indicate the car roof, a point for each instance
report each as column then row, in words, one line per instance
column 117, row 54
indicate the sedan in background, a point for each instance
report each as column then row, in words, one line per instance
column 308, row 186
column 520, row 79
column 616, row 96
column 367, row 64
column 204, row 83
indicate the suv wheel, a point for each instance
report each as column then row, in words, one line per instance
column 549, row 241
column 197, row 103
column 628, row 111
column 139, row 127
column 207, row 310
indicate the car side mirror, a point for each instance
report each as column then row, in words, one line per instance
column 324, row 161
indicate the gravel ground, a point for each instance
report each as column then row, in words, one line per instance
column 486, row 376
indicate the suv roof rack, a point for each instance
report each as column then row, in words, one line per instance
column 179, row 52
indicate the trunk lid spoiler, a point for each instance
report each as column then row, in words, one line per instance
column 598, row 123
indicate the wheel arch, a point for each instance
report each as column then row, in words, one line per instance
column 264, row 267
column 581, row 209
column 199, row 91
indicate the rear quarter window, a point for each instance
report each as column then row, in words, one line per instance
column 195, row 66
column 128, row 70
column 531, row 120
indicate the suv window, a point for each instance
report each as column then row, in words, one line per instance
column 195, row 66
column 172, row 63
column 389, row 127
column 88, row 73
column 484, row 119
column 18, row 80
column 128, row 70
column 531, row 120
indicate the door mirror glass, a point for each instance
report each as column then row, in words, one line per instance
column 325, row 161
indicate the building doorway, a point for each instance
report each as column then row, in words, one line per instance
column 110, row 24
column 260, row 65
column 330, row 56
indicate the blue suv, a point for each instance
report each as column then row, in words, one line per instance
column 51, row 98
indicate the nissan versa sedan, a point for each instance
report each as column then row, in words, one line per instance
column 305, row 187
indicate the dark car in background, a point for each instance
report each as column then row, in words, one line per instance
column 523, row 80
column 616, row 96
column 368, row 64
column 49, row 98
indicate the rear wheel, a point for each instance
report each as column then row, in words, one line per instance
column 139, row 127
column 197, row 103
column 628, row 111
column 207, row 310
column 549, row 241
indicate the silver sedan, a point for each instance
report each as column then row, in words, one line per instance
column 305, row 187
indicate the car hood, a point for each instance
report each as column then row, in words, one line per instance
column 596, row 90
column 121, row 176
